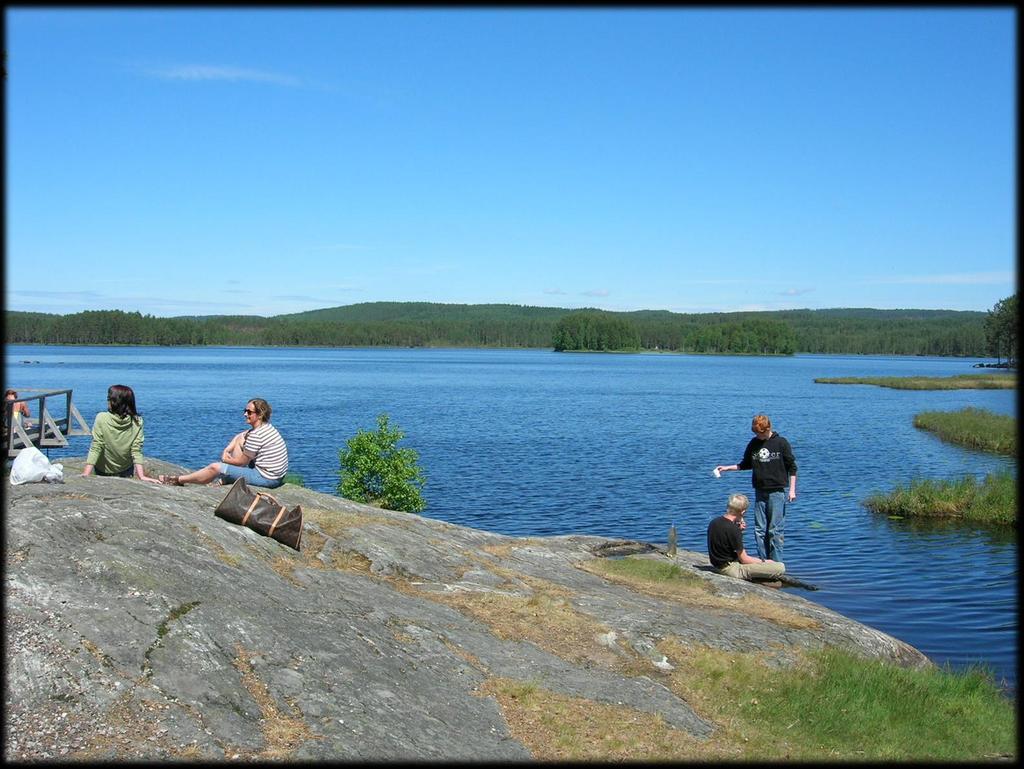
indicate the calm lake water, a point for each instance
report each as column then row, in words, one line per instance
column 538, row 443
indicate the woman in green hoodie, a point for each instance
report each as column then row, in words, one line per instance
column 117, row 438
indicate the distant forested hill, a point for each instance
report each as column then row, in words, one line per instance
column 428, row 311
column 426, row 324
column 855, row 330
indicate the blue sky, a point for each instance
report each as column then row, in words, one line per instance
column 266, row 161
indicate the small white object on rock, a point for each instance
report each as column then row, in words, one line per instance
column 607, row 639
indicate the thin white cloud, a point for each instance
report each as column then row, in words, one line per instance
column 320, row 301
column 207, row 72
column 795, row 291
column 63, row 295
column 716, row 281
column 297, row 298
column 165, row 302
column 96, row 298
column 953, row 279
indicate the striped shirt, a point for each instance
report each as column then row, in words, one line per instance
column 266, row 445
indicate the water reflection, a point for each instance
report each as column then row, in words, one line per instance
column 992, row 535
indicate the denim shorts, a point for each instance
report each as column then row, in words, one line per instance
column 230, row 473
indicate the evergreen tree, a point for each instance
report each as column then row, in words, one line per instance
column 1001, row 330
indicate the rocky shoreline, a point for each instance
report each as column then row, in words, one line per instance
column 140, row 626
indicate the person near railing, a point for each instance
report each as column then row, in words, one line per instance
column 19, row 411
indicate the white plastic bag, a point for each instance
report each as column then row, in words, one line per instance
column 30, row 466
column 55, row 474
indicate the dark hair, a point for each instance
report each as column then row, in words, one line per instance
column 11, row 392
column 262, row 409
column 121, row 401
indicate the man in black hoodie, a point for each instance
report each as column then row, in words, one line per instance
column 774, row 480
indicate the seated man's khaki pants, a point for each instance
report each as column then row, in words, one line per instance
column 752, row 571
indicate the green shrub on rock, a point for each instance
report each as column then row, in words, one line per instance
column 375, row 471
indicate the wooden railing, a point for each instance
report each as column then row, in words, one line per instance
column 47, row 428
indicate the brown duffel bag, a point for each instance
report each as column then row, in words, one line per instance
column 261, row 513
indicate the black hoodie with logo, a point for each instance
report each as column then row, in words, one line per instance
column 772, row 462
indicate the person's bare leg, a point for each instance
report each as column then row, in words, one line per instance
column 205, row 475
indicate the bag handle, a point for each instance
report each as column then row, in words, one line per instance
column 277, row 520
column 248, row 512
column 252, row 506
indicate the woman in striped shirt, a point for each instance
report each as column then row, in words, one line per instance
column 258, row 454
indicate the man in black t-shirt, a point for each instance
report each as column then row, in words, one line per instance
column 770, row 457
column 725, row 545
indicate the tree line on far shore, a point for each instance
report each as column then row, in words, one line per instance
column 423, row 324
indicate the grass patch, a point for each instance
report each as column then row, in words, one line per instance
column 282, row 733
column 651, row 570
column 558, row 727
column 284, row 566
column 505, row 550
column 834, row 705
column 471, row 659
column 499, row 551
column 178, row 611
column 973, row 427
column 294, row 479
column 312, row 544
column 162, row 630
column 544, row 617
column 181, row 611
column 958, row 382
column 98, row 653
column 215, row 547
column 351, row 561
column 547, row 620
column 334, row 523
column 667, row 580
column 994, row 500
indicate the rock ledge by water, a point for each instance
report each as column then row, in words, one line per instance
column 138, row 625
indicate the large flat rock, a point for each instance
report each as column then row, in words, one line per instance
column 139, row 625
